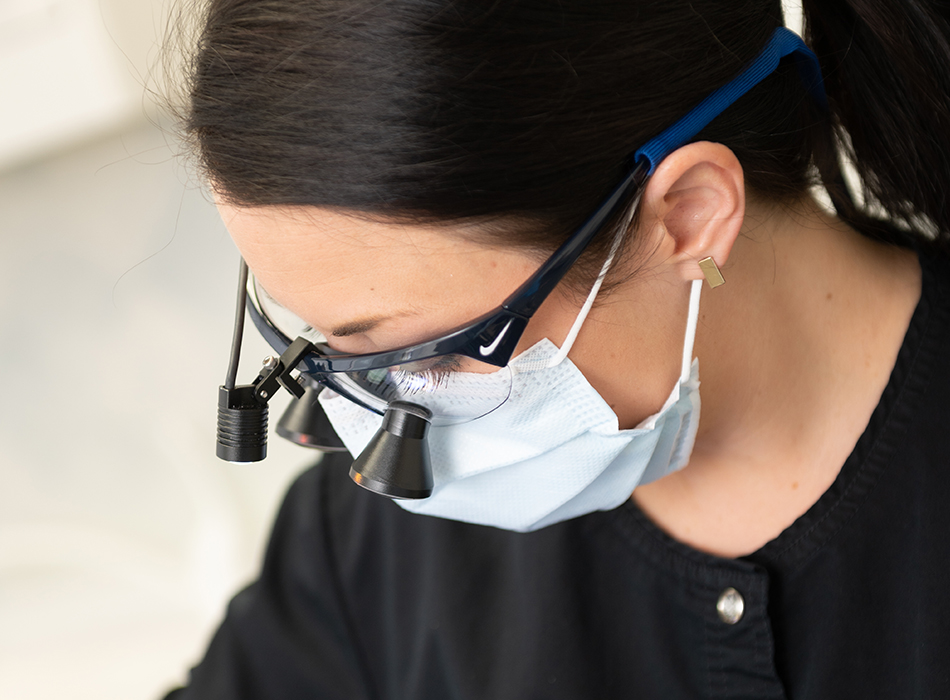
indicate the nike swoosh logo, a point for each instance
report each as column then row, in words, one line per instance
column 487, row 350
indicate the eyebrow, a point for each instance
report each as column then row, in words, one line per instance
column 354, row 327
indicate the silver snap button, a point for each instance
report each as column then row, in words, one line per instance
column 730, row 606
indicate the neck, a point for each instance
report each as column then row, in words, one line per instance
column 794, row 353
column 798, row 293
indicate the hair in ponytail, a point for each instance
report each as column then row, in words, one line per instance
column 887, row 73
column 518, row 116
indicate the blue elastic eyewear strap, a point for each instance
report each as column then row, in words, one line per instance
column 782, row 43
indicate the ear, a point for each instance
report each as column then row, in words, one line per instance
column 693, row 207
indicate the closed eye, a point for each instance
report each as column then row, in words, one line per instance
column 444, row 364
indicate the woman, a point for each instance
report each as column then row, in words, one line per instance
column 394, row 172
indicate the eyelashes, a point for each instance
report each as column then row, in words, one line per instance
column 425, row 376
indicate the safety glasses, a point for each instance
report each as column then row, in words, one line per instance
column 433, row 372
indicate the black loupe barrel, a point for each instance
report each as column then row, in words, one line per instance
column 305, row 423
column 396, row 463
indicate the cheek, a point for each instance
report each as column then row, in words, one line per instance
column 467, row 364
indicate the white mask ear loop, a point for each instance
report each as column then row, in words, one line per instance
column 691, row 322
column 568, row 343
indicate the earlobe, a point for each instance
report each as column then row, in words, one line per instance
column 696, row 201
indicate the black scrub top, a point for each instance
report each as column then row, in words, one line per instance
column 359, row 599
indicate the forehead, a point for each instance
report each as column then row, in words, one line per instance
column 332, row 268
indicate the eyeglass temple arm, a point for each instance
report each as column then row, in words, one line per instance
column 528, row 297
column 782, row 43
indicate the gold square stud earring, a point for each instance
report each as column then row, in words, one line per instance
column 711, row 272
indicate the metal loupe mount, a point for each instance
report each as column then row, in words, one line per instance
column 396, row 461
column 242, row 410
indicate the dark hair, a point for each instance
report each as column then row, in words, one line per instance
column 519, row 115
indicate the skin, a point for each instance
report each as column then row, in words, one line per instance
column 795, row 349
